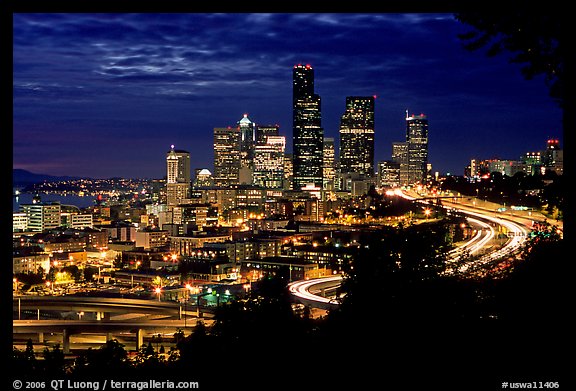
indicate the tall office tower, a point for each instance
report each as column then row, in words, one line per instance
column 226, row 156
column 177, row 166
column 269, row 162
column 263, row 131
column 357, row 136
column 247, row 141
column 417, row 139
column 400, row 156
column 308, row 135
column 329, row 168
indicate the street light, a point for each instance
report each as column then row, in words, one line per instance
column 158, row 291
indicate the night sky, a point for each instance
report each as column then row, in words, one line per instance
column 104, row 95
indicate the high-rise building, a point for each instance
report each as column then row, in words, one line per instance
column 269, row 162
column 247, row 141
column 400, row 156
column 357, row 136
column 417, row 139
column 263, row 131
column 329, row 168
column 308, row 134
column 177, row 166
column 226, row 156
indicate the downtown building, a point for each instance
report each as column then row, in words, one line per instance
column 247, row 144
column 411, row 156
column 269, row 162
column 417, row 139
column 308, row 134
column 227, row 161
column 177, row 176
column 41, row 216
column 329, row 165
column 357, row 137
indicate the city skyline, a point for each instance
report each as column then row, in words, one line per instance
column 104, row 95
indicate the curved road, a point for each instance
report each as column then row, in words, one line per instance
column 309, row 292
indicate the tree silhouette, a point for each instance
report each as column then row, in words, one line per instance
column 531, row 36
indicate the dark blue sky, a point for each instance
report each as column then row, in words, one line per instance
column 103, row 95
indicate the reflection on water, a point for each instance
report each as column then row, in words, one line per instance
column 76, row 200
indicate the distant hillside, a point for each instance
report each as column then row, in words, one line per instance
column 23, row 178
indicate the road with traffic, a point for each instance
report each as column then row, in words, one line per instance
column 470, row 258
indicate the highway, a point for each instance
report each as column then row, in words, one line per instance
column 137, row 318
column 309, row 292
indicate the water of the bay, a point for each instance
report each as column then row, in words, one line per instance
column 76, row 200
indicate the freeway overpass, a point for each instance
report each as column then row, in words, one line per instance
column 152, row 316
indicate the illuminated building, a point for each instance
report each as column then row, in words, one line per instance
column 177, row 166
column 400, row 156
column 417, row 139
column 176, row 193
column 148, row 239
column 247, row 143
column 263, row 131
column 288, row 171
column 203, row 178
column 76, row 221
column 533, row 162
column 329, row 168
column 19, row 222
column 41, row 216
column 226, row 156
column 269, row 162
column 308, row 134
column 553, row 157
column 357, row 136
column 388, row 173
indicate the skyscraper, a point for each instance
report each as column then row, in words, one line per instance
column 269, row 162
column 177, row 176
column 308, row 135
column 177, row 166
column 226, row 156
column 417, row 139
column 357, row 136
column 262, row 131
column 247, row 141
column 400, row 156
column 329, row 168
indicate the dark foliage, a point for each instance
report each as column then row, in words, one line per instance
column 531, row 37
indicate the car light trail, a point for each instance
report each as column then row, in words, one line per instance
column 302, row 288
column 516, row 233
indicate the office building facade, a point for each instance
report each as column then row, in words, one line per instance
column 417, row 139
column 308, row 134
column 226, row 156
column 357, row 136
